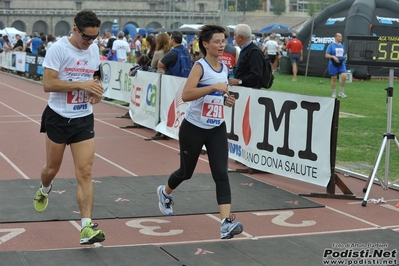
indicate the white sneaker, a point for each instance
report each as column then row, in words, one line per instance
column 165, row 202
column 334, row 95
column 342, row 95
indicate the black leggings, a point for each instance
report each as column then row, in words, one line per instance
column 191, row 140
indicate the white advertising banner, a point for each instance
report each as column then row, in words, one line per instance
column 144, row 99
column 172, row 106
column 20, row 61
column 8, row 60
column 116, row 80
column 281, row 133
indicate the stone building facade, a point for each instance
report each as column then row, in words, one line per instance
column 56, row 17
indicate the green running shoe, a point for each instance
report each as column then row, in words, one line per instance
column 40, row 200
column 90, row 234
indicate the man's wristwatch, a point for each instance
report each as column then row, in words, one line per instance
column 239, row 81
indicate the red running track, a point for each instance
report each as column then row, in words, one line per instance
column 124, row 152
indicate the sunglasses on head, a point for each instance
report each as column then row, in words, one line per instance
column 87, row 37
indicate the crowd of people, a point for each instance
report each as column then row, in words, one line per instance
column 160, row 53
column 30, row 43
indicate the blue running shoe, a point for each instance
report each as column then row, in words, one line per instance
column 229, row 229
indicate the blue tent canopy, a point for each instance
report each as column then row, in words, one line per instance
column 274, row 26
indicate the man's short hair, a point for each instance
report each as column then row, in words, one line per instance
column 244, row 30
column 85, row 19
column 177, row 36
column 121, row 34
column 35, row 34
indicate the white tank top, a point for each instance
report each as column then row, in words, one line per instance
column 208, row 112
column 72, row 64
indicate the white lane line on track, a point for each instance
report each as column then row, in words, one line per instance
column 141, row 136
column 99, row 156
column 213, row 217
column 18, row 112
column 77, row 226
column 353, row 217
column 14, row 166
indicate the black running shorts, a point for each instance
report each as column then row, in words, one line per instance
column 66, row 130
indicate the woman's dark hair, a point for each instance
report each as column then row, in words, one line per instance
column 85, row 19
column 144, row 60
column 206, row 34
column 151, row 41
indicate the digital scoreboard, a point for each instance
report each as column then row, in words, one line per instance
column 373, row 51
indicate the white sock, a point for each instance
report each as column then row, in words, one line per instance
column 164, row 192
column 45, row 190
column 342, row 89
column 333, row 91
column 84, row 221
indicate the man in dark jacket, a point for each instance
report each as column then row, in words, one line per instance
column 249, row 68
column 19, row 43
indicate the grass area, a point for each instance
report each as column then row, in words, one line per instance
column 359, row 135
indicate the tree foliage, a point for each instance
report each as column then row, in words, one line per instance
column 244, row 5
column 278, row 6
column 316, row 6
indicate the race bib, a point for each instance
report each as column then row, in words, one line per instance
column 77, row 100
column 339, row 52
column 212, row 110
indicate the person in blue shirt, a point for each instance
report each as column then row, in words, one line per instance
column 34, row 43
column 336, row 54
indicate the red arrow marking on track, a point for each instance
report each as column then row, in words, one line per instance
column 201, row 251
column 293, row 202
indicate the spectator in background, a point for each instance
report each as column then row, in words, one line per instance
column 110, row 42
column 1, row 40
column 143, row 65
column 151, row 46
column 7, row 46
column 161, row 48
column 168, row 62
column 27, row 43
column 295, row 50
column 34, row 43
column 138, row 48
column 19, row 45
column 336, row 55
column 50, row 41
column 272, row 50
column 229, row 56
column 249, row 68
column 121, row 48
column 104, row 42
column 144, row 46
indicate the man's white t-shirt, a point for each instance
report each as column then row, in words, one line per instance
column 122, row 48
column 72, row 64
column 272, row 46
